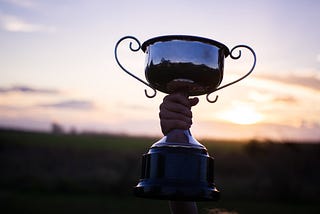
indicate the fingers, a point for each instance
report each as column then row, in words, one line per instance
column 176, row 98
column 180, row 119
column 167, row 114
column 170, row 119
column 181, row 99
column 175, row 112
column 176, row 107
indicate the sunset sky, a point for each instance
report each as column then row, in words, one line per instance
column 57, row 65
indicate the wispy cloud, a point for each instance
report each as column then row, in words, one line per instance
column 27, row 89
column 22, row 3
column 132, row 107
column 16, row 24
column 306, row 78
column 16, row 17
column 71, row 104
column 285, row 99
column 9, row 108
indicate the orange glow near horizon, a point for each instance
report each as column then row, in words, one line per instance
column 241, row 114
column 65, row 71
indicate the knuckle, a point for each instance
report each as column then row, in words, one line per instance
column 161, row 106
column 160, row 115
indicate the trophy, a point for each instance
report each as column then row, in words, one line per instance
column 178, row 167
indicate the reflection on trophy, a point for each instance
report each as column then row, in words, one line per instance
column 178, row 167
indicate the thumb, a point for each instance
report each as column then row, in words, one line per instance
column 193, row 101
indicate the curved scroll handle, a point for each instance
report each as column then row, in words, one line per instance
column 235, row 57
column 133, row 49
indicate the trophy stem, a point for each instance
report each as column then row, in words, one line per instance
column 178, row 136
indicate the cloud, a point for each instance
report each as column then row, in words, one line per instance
column 261, row 131
column 70, row 104
column 265, row 97
column 306, row 78
column 285, row 99
column 22, row 3
column 135, row 107
column 15, row 24
column 27, row 89
column 9, row 108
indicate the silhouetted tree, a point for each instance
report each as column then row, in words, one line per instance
column 56, row 128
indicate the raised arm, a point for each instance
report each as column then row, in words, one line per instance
column 175, row 113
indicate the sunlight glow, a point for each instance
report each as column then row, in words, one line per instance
column 58, row 65
column 241, row 114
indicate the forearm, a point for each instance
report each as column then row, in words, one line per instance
column 183, row 207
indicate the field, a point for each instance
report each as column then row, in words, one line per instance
column 95, row 173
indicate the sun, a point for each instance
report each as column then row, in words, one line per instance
column 241, row 114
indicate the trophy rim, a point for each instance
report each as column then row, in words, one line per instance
column 185, row 38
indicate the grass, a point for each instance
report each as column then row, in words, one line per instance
column 78, row 203
column 38, row 203
column 79, row 141
column 90, row 173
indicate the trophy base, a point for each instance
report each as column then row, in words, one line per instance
column 177, row 173
column 174, row 193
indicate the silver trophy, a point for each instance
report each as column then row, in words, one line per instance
column 178, row 167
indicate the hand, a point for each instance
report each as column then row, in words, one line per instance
column 175, row 112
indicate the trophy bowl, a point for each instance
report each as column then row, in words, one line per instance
column 178, row 167
column 194, row 61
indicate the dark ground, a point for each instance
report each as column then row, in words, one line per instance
column 89, row 173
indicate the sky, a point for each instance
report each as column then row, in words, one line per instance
column 57, row 65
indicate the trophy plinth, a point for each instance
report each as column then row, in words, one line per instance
column 178, row 167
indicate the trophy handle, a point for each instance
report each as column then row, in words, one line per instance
column 135, row 50
column 235, row 57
